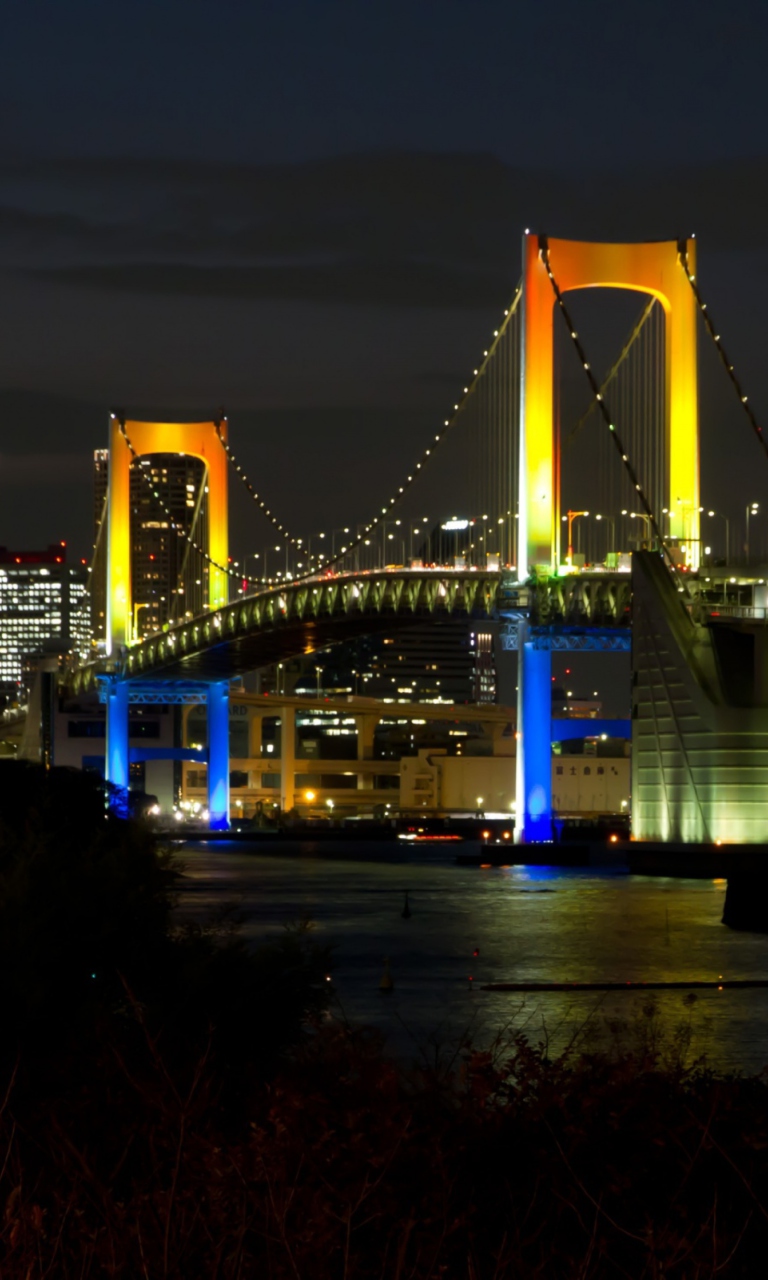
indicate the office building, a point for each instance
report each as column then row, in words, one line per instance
column 43, row 606
column 170, row 579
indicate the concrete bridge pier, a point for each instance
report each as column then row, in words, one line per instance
column 534, row 747
column 287, row 758
column 366, row 730
column 117, row 757
column 218, row 754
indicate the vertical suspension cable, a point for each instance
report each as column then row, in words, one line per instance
column 660, row 406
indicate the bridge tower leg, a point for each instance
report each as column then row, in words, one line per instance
column 534, row 747
column 218, row 755
column 116, row 762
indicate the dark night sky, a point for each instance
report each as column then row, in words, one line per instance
column 310, row 211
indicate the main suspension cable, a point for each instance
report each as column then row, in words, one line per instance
column 97, row 543
column 682, row 253
column 604, row 411
column 261, row 504
column 440, row 436
column 402, row 489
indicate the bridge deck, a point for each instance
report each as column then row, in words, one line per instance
column 307, row 615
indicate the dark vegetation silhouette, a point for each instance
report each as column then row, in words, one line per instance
column 172, row 1105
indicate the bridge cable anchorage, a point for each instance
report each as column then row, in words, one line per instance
column 606, row 415
column 612, row 372
column 177, row 529
column 264, row 509
column 682, row 253
column 429, row 452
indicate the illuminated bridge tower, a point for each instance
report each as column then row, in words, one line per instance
column 651, row 268
column 128, row 442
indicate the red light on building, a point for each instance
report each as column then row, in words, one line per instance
column 52, row 555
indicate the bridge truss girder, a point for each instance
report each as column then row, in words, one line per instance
column 298, row 618
column 587, row 611
column 582, row 599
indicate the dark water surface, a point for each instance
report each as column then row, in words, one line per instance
column 529, row 924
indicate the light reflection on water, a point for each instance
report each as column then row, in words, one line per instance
column 529, row 924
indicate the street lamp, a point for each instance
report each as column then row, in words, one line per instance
column 641, row 515
column 484, row 563
column 387, row 537
column 143, row 604
column 251, row 555
column 266, row 552
column 414, row 529
column 333, row 539
column 572, row 515
column 751, row 509
column 612, row 539
column 319, row 555
column 501, row 522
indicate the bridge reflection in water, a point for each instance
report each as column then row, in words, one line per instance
column 529, row 924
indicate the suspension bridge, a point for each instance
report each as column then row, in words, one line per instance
column 638, row 441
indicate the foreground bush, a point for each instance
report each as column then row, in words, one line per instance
column 87, row 939
column 83, row 897
column 350, row 1167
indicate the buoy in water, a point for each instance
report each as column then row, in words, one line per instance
column 406, row 911
column 386, row 983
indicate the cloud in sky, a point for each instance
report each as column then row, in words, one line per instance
column 391, row 229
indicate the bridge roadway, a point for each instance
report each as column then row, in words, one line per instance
column 303, row 616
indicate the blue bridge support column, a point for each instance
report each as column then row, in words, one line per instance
column 218, row 755
column 116, row 762
column 534, row 748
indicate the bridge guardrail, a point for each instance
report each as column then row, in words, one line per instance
column 748, row 612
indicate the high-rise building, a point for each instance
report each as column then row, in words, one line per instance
column 446, row 660
column 43, row 603
column 169, row 578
